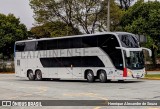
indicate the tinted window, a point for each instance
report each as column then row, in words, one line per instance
column 64, row 43
column 20, row 47
column 76, row 42
column 41, row 45
column 88, row 61
column 108, row 43
column 89, row 41
column 30, row 46
column 51, row 44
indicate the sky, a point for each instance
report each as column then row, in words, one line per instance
column 20, row 8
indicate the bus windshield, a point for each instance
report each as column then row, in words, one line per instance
column 128, row 41
column 135, row 61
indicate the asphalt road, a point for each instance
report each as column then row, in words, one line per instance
column 13, row 88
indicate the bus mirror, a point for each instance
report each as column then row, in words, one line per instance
column 149, row 51
column 127, row 53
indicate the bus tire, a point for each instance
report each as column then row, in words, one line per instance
column 102, row 76
column 90, row 76
column 31, row 75
column 38, row 74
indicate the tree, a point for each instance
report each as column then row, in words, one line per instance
column 87, row 15
column 115, row 16
column 81, row 14
column 144, row 19
column 53, row 29
column 11, row 30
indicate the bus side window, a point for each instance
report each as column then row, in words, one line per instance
column 76, row 42
column 51, row 44
column 41, row 45
column 90, row 41
column 20, row 47
column 64, row 43
column 30, row 46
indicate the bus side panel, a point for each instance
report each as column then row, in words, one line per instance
column 77, row 72
column 52, row 73
column 64, row 72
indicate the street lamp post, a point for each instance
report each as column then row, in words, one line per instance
column 108, row 16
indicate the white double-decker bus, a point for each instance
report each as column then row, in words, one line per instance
column 103, row 56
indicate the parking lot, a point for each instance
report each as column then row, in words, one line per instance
column 13, row 88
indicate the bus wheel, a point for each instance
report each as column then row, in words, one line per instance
column 102, row 76
column 90, row 76
column 31, row 75
column 38, row 75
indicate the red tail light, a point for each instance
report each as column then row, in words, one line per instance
column 125, row 72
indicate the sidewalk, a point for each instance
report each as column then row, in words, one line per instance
column 153, row 72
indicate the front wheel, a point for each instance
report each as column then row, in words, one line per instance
column 38, row 75
column 31, row 75
column 90, row 76
column 102, row 77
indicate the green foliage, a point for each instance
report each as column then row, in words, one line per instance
column 115, row 16
column 152, row 76
column 144, row 19
column 11, row 30
column 53, row 29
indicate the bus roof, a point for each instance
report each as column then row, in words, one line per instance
column 84, row 35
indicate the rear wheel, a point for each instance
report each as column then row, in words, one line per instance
column 38, row 75
column 102, row 76
column 90, row 76
column 31, row 75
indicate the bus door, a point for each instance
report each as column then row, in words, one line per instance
column 20, row 67
column 17, row 67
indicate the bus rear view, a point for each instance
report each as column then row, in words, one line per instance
column 103, row 56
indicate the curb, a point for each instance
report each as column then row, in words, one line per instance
column 151, row 78
column 7, row 73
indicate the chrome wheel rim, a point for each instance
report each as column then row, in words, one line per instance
column 38, row 75
column 30, row 75
column 102, row 76
column 89, row 76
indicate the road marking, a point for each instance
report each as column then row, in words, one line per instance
column 153, row 108
column 86, row 94
column 42, row 90
column 14, row 97
column 39, row 90
column 98, row 107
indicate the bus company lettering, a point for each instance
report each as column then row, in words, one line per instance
column 57, row 53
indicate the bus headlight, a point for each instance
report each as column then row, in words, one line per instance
column 129, row 73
